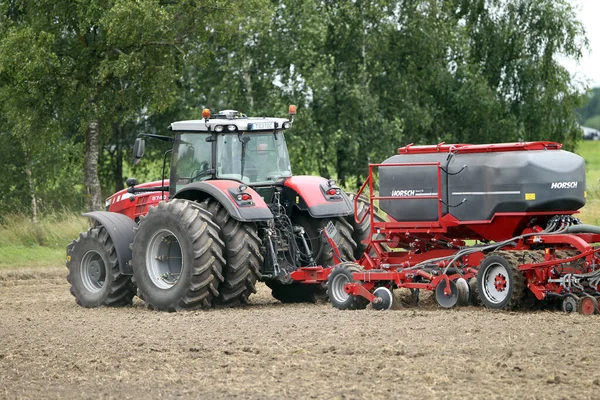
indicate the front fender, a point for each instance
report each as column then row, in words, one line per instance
column 120, row 229
column 223, row 190
column 308, row 194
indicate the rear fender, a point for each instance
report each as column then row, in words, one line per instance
column 225, row 192
column 308, row 193
column 120, row 228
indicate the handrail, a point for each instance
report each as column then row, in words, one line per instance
column 356, row 202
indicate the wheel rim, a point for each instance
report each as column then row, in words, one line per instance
column 569, row 304
column 587, row 306
column 163, row 259
column 337, row 288
column 93, row 271
column 387, row 298
column 496, row 283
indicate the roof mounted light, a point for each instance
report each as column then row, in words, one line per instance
column 219, row 128
column 231, row 128
column 206, row 113
column 292, row 110
column 286, row 125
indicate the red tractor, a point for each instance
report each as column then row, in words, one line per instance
column 488, row 223
column 230, row 214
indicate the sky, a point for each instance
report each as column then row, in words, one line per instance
column 588, row 68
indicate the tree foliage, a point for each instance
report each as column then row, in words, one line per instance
column 589, row 114
column 367, row 76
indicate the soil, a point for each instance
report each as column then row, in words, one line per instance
column 52, row 348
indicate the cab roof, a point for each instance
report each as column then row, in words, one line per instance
column 231, row 121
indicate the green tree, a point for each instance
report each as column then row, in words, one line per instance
column 589, row 114
column 97, row 66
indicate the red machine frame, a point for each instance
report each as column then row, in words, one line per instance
column 438, row 241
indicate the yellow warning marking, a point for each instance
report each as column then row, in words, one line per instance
column 68, row 258
column 529, row 196
column 585, row 194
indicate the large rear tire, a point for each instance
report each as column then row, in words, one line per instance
column 242, row 255
column 94, row 273
column 362, row 230
column 321, row 250
column 178, row 257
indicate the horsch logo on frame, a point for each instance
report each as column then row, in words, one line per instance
column 564, row 185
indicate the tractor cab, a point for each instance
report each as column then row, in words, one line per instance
column 232, row 146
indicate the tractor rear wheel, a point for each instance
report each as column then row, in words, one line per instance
column 94, row 273
column 322, row 254
column 178, row 257
column 500, row 283
column 321, row 250
column 362, row 230
column 242, row 255
column 339, row 277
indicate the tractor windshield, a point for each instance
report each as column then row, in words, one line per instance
column 193, row 158
column 260, row 157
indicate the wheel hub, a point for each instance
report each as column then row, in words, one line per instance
column 500, row 282
column 95, row 270
column 164, row 259
column 496, row 283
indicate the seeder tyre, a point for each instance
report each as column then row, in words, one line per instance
column 178, row 257
column 94, row 272
column 569, row 303
column 587, row 305
column 339, row 277
column 242, row 255
column 500, row 284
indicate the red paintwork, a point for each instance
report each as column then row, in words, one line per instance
column 316, row 274
column 226, row 185
column 479, row 148
column 444, row 237
column 308, row 188
column 121, row 203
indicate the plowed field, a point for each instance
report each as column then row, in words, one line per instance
column 52, row 348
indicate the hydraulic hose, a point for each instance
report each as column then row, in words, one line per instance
column 583, row 228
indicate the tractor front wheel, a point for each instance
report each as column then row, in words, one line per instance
column 500, row 283
column 178, row 257
column 94, row 273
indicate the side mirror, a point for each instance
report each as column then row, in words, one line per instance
column 138, row 150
